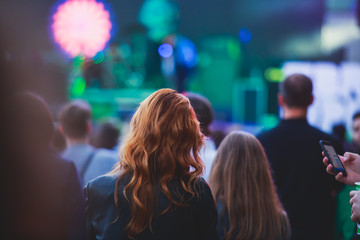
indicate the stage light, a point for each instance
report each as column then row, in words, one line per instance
column 159, row 16
column 185, row 51
column 165, row 50
column 78, row 87
column 274, row 75
column 233, row 49
column 245, row 35
column 81, row 27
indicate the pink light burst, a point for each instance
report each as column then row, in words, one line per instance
column 81, row 27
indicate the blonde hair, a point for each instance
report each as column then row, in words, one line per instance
column 241, row 180
column 162, row 145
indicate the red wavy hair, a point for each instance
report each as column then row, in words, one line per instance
column 162, row 145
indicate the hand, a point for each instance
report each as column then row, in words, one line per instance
column 351, row 162
column 355, row 205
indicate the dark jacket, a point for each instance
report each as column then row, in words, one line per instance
column 304, row 187
column 48, row 202
column 196, row 221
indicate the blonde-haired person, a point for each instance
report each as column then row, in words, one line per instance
column 241, row 182
column 155, row 192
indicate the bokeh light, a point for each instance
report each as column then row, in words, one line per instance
column 274, row 75
column 165, row 50
column 81, row 27
column 245, row 35
column 78, row 87
column 186, row 53
column 233, row 49
column 160, row 17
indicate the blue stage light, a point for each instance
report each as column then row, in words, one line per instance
column 245, row 35
column 165, row 50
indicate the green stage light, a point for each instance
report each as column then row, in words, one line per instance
column 78, row 87
column 78, row 60
column 274, row 75
column 159, row 16
column 233, row 49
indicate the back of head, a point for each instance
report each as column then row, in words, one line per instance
column 74, row 118
column 107, row 136
column 162, row 146
column 241, row 180
column 296, row 90
column 203, row 111
column 30, row 118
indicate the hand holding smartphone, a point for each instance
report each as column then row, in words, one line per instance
column 333, row 157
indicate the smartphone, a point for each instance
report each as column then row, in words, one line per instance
column 333, row 157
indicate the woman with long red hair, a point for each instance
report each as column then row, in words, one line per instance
column 240, row 179
column 155, row 191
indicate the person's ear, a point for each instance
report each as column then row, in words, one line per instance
column 311, row 100
column 88, row 127
column 281, row 100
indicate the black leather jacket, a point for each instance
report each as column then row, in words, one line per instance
column 196, row 221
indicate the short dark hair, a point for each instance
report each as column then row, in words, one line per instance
column 74, row 118
column 296, row 90
column 203, row 110
column 356, row 115
column 107, row 136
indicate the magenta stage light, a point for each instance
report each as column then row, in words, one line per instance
column 81, row 27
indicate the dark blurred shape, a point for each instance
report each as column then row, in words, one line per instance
column 203, row 111
column 58, row 141
column 339, row 132
column 45, row 198
column 217, row 136
column 107, row 136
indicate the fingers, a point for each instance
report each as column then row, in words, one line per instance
column 339, row 177
column 352, row 199
column 354, row 217
column 355, row 214
column 348, row 156
column 329, row 169
column 355, row 206
column 326, row 161
column 352, row 193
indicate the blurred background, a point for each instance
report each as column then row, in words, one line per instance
column 114, row 53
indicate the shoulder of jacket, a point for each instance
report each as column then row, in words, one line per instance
column 104, row 184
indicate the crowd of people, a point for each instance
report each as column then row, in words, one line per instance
column 171, row 179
